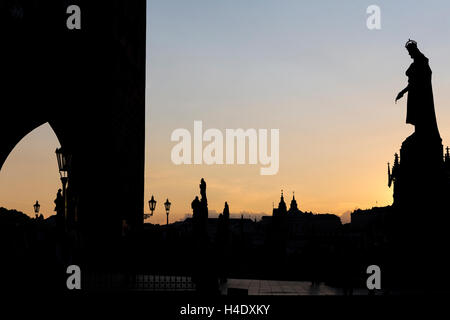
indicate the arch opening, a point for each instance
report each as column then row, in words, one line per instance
column 30, row 173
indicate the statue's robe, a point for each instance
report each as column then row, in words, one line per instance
column 420, row 110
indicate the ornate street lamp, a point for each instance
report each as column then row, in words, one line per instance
column 152, row 205
column 167, row 207
column 63, row 165
column 62, row 159
column 36, row 207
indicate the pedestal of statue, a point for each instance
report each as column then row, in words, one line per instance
column 422, row 219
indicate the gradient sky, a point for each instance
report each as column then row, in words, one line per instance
column 312, row 70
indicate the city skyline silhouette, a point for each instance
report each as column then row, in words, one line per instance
column 331, row 168
column 328, row 216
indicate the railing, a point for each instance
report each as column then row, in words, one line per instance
column 147, row 282
column 163, row 283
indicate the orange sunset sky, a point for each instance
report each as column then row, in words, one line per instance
column 313, row 71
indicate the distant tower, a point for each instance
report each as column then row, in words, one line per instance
column 293, row 209
column 226, row 211
column 282, row 208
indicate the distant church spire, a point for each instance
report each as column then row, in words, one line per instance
column 282, row 208
column 293, row 209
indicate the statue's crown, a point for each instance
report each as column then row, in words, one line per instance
column 410, row 43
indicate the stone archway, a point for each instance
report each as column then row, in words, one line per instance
column 89, row 85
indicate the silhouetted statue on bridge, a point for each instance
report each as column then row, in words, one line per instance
column 204, row 275
column 195, row 205
column 59, row 208
column 203, row 191
column 421, row 186
column 223, row 243
column 421, row 154
column 200, row 213
column 420, row 109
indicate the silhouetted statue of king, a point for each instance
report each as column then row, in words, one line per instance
column 419, row 176
column 420, row 222
column 420, row 110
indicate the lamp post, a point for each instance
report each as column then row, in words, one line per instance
column 167, row 207
column 152, row 205
column 62, row 159
column 36, row 207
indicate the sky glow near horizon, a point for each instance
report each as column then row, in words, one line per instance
column 310, row 69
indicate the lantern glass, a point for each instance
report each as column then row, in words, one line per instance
column 61, row 160
column 167, row 205
column 37, row 207
column 152, row 204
